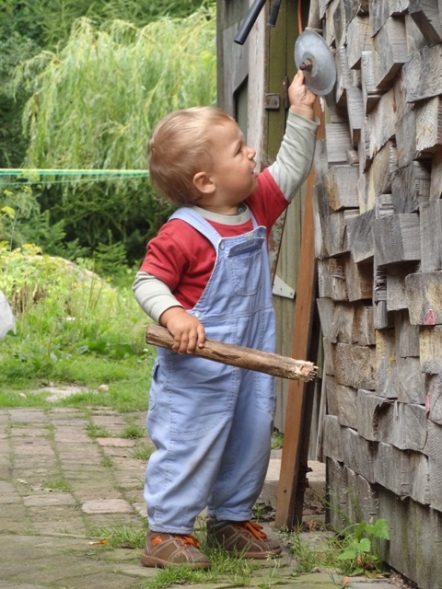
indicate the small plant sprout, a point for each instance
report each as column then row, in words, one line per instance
column 143, row 452
column 360, row 547
column 60, row 485
column 133, row 431
column 97, row 431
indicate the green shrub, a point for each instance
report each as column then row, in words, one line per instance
column 72, row 326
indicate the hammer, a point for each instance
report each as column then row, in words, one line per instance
column 240, row 356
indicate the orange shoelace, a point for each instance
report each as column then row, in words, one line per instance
column 187, row 540
column 254, row 530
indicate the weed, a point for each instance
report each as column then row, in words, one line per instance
column 360, row 547
column 97, row 431
column 263, row 511
column 133, row 431
column 277, row 439
column 106, row 462
column 57, row 485
column 307, row 555
column 178, row 575
column 143, row 452
column 353, row 552
column 237, row 571
column 51, row 432
column 121, row 536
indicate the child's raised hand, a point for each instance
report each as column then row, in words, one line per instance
column 301, row 98
column 187, row 331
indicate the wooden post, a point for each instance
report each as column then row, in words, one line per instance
column 291, row 487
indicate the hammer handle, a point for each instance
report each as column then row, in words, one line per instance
column 240, row 356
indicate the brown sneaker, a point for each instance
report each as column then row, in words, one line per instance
column 246, row 539
column 166, row 550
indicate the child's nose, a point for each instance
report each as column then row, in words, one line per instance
column 252, row 153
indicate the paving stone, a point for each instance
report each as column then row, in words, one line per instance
column 98, row 493
column 111, row 521
column 116, row 442
column 30, row 431
column 102, row 580
column 29, row 448
column 49, row 499
column 58, row 554
column 6, row 488
column 8, row 498
column 107, row 506
column 15, row 525
column 70, row 435
column 7, row 585
column 364, row 583
column 140, row 508
column 19, row 416
column 4, row 418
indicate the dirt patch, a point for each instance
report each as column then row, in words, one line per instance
column 56, row 393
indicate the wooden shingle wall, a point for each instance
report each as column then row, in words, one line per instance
column 378, row 240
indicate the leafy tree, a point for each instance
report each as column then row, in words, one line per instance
column 48, row 22
column 13, row 50
column 93, row 105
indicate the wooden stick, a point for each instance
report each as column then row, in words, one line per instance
column 240, row 356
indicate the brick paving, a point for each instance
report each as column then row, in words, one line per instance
column 66, row 475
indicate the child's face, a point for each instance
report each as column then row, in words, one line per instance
column 232, row 172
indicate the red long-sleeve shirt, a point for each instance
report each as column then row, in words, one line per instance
column 182, row 258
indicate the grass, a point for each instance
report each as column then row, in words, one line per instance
column 354, row 551
column 223, row 566
column 143, row 451
column 120, row 536
column 231, row 570
column 72, row 328
column 60, row 485
column 309, row 558
column 277, row 439
column 97, row 431
column 106, row 462
column 133, row 431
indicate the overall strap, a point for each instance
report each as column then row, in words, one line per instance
column 198, row 222
column 201, row 224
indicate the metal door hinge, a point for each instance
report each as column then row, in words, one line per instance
column 272, row 101
column 285, row 94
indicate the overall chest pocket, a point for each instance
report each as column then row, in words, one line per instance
column 245, row 262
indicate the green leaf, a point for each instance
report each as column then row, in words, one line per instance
column 348, row 554
column 365, row 545
column 382, row 529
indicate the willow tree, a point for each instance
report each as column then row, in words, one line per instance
column 48, row 22
column 94, row 105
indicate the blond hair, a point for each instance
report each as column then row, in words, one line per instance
column 179, row 148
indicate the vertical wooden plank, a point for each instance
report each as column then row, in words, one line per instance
column 291, row 479
column 286, row 235
column 279, row 66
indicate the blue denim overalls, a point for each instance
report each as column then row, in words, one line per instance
column 212, row 423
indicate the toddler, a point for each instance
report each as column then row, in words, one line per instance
column 206, row 274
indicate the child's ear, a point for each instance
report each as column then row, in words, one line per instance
column 203, row 182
